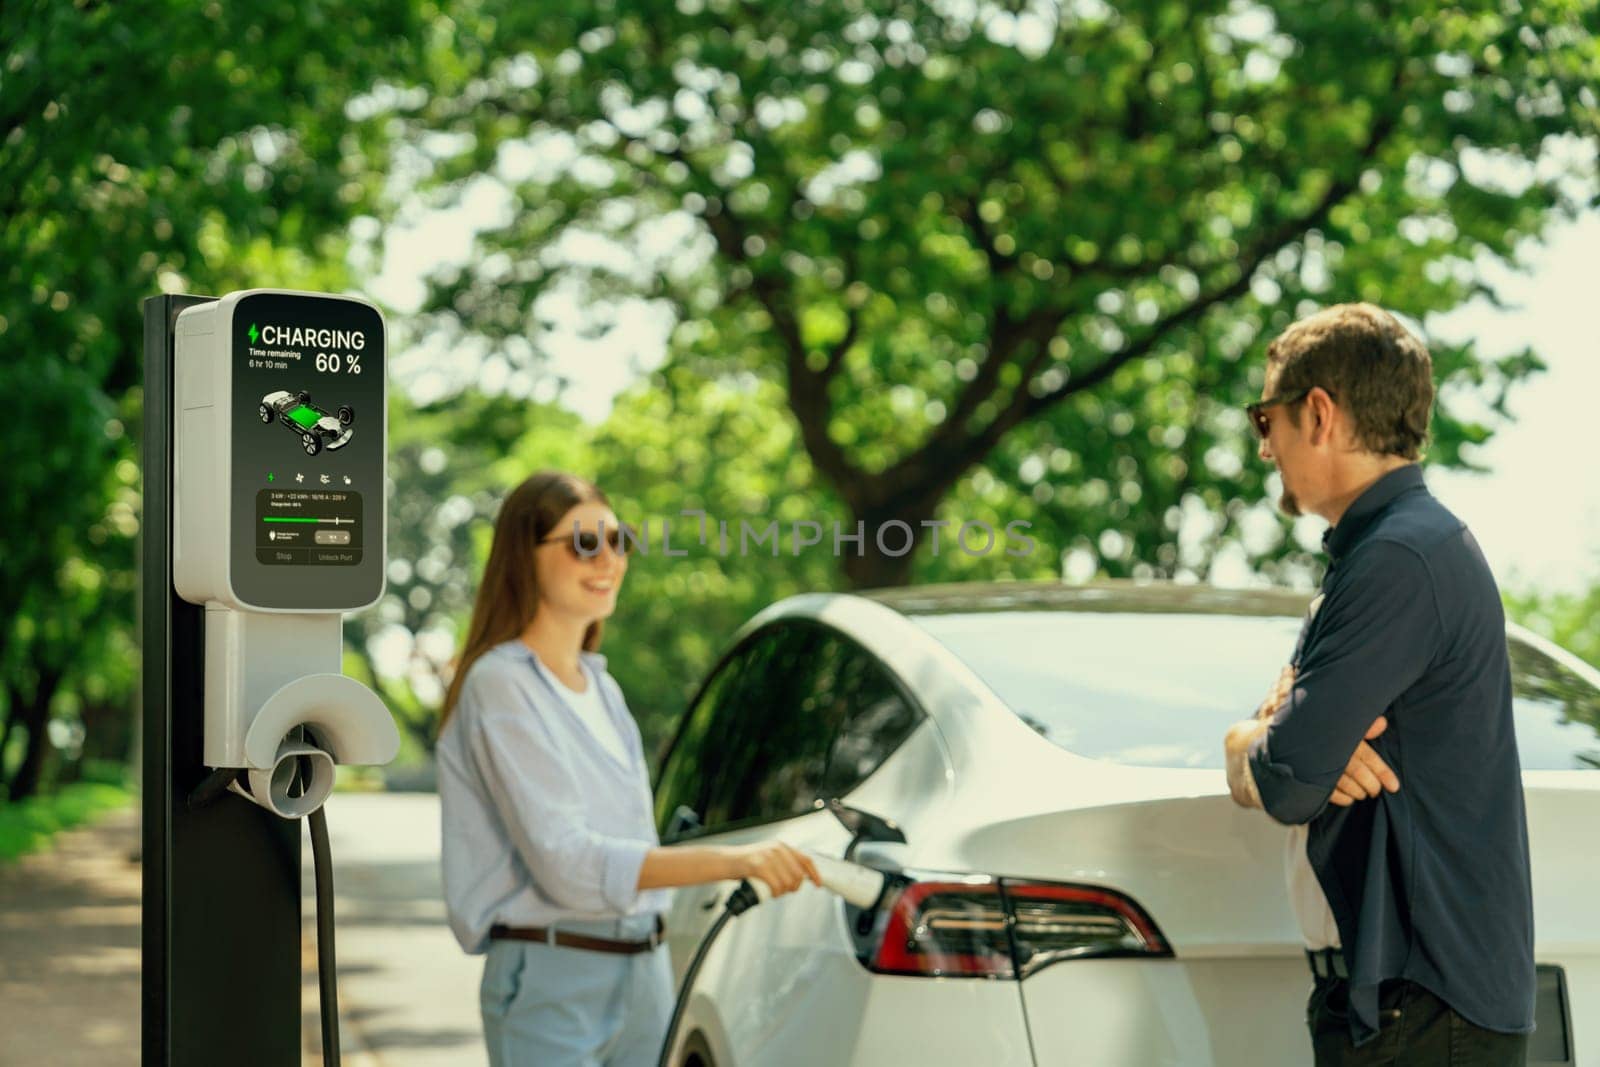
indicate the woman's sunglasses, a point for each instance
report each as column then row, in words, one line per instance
column 1258, row 410
column 585, row 544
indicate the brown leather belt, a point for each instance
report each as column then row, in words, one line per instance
column 548, row 936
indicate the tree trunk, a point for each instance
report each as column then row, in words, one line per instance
column 891, row 536
column 875, row 569
column 13, row 702
column 36, row 717
column 108, row 731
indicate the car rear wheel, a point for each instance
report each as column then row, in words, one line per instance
column 696, row 1053
column 347, row 415
column 265, row 413
column 313, row 446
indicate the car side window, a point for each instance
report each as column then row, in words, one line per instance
column 877, row 720
column 682, row 781
column 798, row 713
column 795, row 719
column 831, row 716
column 745, row 744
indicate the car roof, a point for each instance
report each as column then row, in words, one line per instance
column 1103, row 596
column 1155, row 597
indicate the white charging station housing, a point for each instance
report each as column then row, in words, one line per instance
column 279, row 501
column 281, row 437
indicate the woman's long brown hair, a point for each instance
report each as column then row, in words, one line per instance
column 509, row 593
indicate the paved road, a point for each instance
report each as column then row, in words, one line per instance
column 69, row 950
column 69, row 945
column 408, row 995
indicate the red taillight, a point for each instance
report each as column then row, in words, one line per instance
column 1054, row 922
column 946, row 928
column 999, row 928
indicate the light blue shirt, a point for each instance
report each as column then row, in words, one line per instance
column 540, row 822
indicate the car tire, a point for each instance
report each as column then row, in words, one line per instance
column 696, row 1053
column 265, row 413
column 303, row 397
column 313, row 446
column 347, row 415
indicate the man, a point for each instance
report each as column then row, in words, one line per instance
column 1387, row 745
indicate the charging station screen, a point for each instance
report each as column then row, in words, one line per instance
column 305, row 417
column 313, row 527
column 308, row 452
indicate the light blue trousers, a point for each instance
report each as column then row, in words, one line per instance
column 551, row 1006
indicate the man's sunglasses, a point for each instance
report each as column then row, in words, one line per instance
column 585, row 544
column 1258, row 410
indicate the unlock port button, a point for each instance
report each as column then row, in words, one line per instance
column 333, row 537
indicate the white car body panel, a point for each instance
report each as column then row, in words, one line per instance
column 977, row 791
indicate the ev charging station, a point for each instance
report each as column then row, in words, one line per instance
column 264, row 520
column 265, row 436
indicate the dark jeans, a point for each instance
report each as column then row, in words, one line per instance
column 1417, row 1030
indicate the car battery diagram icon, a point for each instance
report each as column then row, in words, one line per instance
column 316, row 428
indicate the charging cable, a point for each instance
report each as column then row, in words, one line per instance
column 215, row 785
column 861, row 886
column 327, row 969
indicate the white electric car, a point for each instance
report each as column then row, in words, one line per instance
column 1078, row 888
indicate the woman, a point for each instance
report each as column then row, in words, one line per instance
column 552, row 865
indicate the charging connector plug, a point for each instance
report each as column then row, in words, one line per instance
column 742, row 899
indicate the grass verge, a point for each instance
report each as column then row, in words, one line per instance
column 27, row 825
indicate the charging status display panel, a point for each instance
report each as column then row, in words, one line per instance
column 308, row 452
column 315, row 527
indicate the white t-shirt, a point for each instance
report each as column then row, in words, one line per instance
column 1310, row 903
column 1306, row 897
column 591, row 709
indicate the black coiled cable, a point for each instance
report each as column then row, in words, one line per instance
column 327, row 970
column 740, row 901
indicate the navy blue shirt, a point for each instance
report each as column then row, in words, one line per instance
column 1429, row 884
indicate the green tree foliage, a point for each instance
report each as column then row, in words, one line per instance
column 1570, row 619
column 683, row 442
column 450, row 465
column 1048, row 242
column 144, row 147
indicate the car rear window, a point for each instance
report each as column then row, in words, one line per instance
column 1159, row 690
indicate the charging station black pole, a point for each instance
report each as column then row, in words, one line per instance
column 221, row 907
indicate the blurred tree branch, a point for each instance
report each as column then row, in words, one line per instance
column 1027, row 243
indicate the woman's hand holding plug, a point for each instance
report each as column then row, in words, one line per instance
column 782, row 867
